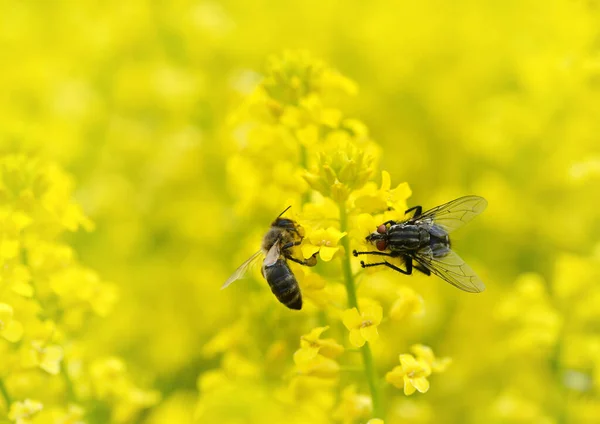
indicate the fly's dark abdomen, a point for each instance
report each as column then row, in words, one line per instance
column 283, row 284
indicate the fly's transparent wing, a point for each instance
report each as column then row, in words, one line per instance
column 451, row 268
column 272, row 255
column 243, row 268
column 453, row 215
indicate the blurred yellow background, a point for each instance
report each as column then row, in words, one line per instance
column 135, row 101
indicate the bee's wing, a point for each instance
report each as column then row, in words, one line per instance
column 272, row 255
column 453, row 215
column 451, row 268
column 243, row 268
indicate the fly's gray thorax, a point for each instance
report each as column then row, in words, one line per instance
column 406, row 237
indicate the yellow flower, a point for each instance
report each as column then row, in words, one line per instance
column 311, row 344
column 47, row 358
column 324, row 241
column 371, row 199
column 411, row 374
column 23, row 412
column 425, row 353
column 353, row 406
column 10, row 329
column 408, row 303
column 316, row 366
column 375, row 421
column 363, row 325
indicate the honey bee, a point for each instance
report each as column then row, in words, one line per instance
column 276, row 248
column 424, row 239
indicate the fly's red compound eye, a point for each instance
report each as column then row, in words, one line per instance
column 381, row 229
column 381, row 244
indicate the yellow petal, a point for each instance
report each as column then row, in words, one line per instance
column 373, row 312
column 369, row 333
column 326, row 253
column 13, row 331
column 305, row 354
column 395, row 377
column 6, row 314
column 421, row 384
column 315, row 333
column 308, row 250
column 386, row 180
column 356, row 338
column 409, row 389
column 351, row 318
column 423, row 352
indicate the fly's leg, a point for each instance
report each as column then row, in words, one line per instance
column 392, row 255
column 418, row 210
column 390, row 222
column 408, row 262
column 423, row 269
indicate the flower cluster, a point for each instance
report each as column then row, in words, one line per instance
column 47, row 299
column 291, row 119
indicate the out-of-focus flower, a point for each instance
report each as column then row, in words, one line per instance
column 425, row 353
column 10, row 329
column 363, row 325
column 47, row 357
column 316, row 366
column 408, row 303
column 24, row 412
column 353, row 406
column 411, row 375
column 311, row 344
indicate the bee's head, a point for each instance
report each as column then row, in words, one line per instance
column 379, row 238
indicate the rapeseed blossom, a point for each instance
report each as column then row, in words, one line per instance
column 46, row 300
column 494, row 99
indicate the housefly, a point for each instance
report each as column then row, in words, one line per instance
column 423, row 242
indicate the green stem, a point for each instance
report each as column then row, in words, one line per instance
column 5, row 394
column 304, row 164
column 370, row 371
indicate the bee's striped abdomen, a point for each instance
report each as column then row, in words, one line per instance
column 283, row 284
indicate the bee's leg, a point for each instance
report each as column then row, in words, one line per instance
column 408, row 262
column 290, row 244
column 312, row 261
column 417, row 209
column 355, row 253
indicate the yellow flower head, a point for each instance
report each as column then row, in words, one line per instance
column 10, row 329
column 353, row 406
column 311, row 344
column 23, row 412
column 324, row 241
column 408, row 303
column 371, row 199
column 411, row 375
column 425, row 353
column 316, row 366
column 363, row 325
column 45, row 357
column 341, row 168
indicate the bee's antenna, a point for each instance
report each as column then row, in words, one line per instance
column 284, row 211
